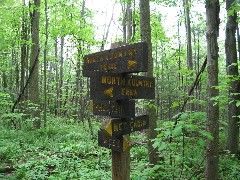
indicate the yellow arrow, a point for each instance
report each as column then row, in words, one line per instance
column 109, row 92
column 131, row 64
column 107, row 126
column 127, row 142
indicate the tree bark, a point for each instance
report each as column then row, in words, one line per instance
column 45, row 65
column 124, row 22
column 146, row 36
column 61, row 77
column 34, row 62
column 57, row 79
column 238, row 41
column 189, row 36
column 212, row 124
column 129, row 21
column 232, row 71
column 23, row 50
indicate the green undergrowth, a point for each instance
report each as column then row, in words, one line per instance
column 60, row 151
column 67, row 150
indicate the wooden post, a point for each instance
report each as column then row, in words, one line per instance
column 116, row 99
column 120, row 160
column 121, row 165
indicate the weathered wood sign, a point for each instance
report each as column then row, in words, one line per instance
column 119, row 144
column 117, row 126
column 119, row 87
column 112, row 91
column 118, row 109
column 125, row 59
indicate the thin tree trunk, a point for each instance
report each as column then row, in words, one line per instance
column 57, row 78
column 146, row 36
column 189, row 42
column 124, row 22
column 232, row 71
column 106, row 30
column 45, row 65
column 4, row 78
column 189, row 36
column 17, row 72
column 129, row 21
column 212, row 124
column 23, row 50
column 61, row 77
column 34, row 62
column 238, row 41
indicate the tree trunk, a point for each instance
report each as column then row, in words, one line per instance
column 124, row 22
column 238, row 41
column 61, row 77
column 57, row 79
column 146, row 36
column 189, row 36
column 189, row 43
column 232, row 71
column 45, row 65
column 4, row 78
column 129, row 21
column 34, row 64
column 23, row 50
column 212, row 124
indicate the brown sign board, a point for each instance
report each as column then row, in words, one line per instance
column 118, row 126
column 117, row 109
column 108, row 86
column 120, row 144
column 124, row 59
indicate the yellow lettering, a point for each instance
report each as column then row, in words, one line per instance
column 129, row 92
column 120, row 54
column 113, row 80
column 104, row 80
column 130, row 52
column 135, row 50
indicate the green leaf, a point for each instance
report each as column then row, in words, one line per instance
column 172, row 147
column 184, row 116
column 201, row 142
column 177, row 131
column 238, row 103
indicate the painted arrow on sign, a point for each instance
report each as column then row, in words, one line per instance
column 108, row 86
column 116, row 109
column 124, row 59
column 118, row 126
column 120, row 144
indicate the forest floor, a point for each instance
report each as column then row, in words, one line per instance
column 63, row 150
column 67, row 150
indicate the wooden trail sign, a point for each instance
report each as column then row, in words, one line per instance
column 117, row 109
column 118, row 87
column 119, row 144
column 125, row 59
column 116, row 127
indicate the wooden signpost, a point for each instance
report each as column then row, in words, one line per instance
column 118, row 109
column 119, row 87
column 112, row 91
column 125, row 59
column 117, row 126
